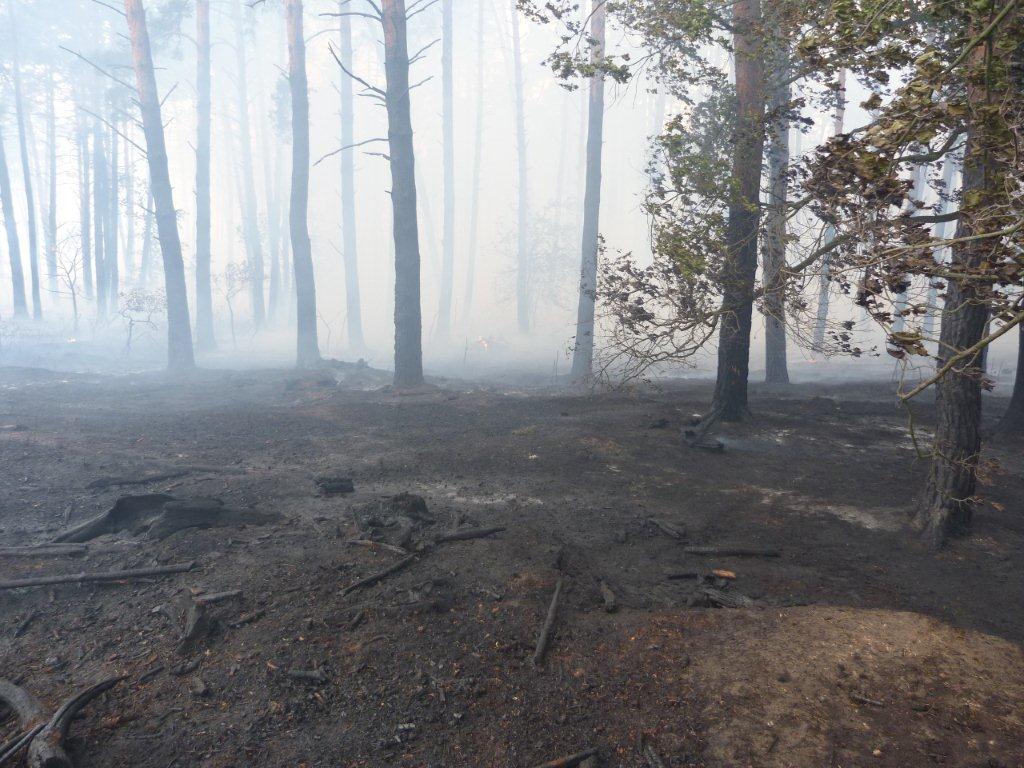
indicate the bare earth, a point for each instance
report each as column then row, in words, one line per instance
column 862, row 648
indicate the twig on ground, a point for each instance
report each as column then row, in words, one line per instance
column 80, row 578
column 544, row 638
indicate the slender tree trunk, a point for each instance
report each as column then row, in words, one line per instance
column 583, row 351
column 308, row 352
column 444, row 319
column 19, row 104
column 478, row 148
column 110, row 255
column 179, row 335
column 918, row 186
column 408, row 319
column 349, row 253
column 129, row 209
column 250, row 212
column 51, row 213
column 277, row 271
column 776, row 369
column 523, row 215
column 11, row 226
column 146, row 266
column 730, row 402
column 205, row 339
column 85, row 208
column 99, row 216
column 821, row 320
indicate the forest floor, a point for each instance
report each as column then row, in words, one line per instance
column 861, row 647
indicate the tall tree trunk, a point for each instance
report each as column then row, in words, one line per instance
column 444, row 319
column 408, row 319
column 478, row 148
column 99, row 216
column 84, row 200
column 776, row 369
column 946, row 507
column 730, row 402
column 583, row 351
column 523, row 215
column 825, row 283
column 919, row 185
column 278, row 273
column 308, row 352
column 129, row 208
column 205, row 339
column 250, row 212
column 11, row 226
column 179, row 335
column 19, row 105
column 146, row 265
column 113, row 206
column 349, row 253
column 51, row 213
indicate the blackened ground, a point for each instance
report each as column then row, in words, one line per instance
column 864, row 648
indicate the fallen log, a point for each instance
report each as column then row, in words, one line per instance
column 469, row 533
column 370, row 544
column 46, row 741
column 216, row 597
column 733, row 551
column 544, row 638
column 81, row 578
column 569, row 760
column 44, row 550
column 114, row 482
column 374, row 578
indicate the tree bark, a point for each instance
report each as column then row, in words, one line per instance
column 11, row 226
column 444, row 319
column 179, row 336
column 946, row 506
column 776, row 369
column 523, row 214
column 821, row 319
column 730, row 401
column 205, row 339
column 19, row 105
column 408, row 319
column 307, row 350
column 478, row 147
column 583, row 351
column 349, row 252
column 250, row 212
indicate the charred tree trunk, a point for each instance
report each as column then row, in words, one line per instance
column 947, row 505
column 821, row 320
column 85, row 208
column 583, row 351
column 776, row 369
column 250, row 212
column 730, row 402
column 179, row 336
column 11, row 226
column 408, row 319
column 349, row 252
column 478, row 147
column 523, row 216
column 51, row 212
column 308, row 352
column 205, row 340
column 30, row 204
column 444, row 319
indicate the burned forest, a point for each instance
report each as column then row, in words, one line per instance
column 511, row 383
